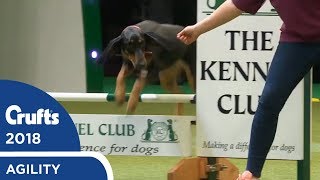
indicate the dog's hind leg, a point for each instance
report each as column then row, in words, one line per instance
column 168, row 80
column 185, row 67
column 120, row 90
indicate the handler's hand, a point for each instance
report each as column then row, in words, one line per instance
column 188, row 35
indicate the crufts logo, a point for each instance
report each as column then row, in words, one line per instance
column 15, row 116
column 160, row 132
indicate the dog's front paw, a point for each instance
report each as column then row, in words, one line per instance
column 132, row 104
column 120, row 98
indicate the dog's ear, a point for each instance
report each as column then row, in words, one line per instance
column 114, row 47
column 156, row 39
column 169, row 44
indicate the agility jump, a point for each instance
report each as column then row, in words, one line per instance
column 108, row 97
column 202, row 167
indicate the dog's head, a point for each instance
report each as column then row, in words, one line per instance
column 131, row 45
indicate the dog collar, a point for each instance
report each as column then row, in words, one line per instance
column 135, row 26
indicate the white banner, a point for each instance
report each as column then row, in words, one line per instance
column 139, row 135
column 233, row 61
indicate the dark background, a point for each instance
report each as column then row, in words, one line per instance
column 117, row 14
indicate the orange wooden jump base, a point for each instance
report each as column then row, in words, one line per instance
column 198, row 168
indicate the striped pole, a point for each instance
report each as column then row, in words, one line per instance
column 107, row 97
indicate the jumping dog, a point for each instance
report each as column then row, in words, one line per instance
column 150, row 51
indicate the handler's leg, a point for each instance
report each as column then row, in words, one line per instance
column 290, row 64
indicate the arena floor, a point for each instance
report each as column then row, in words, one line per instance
column 156, row 168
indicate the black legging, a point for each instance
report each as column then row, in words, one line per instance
column 291, row 62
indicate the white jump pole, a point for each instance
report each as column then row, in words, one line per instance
column 107, row 97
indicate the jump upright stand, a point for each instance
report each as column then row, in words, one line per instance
column 203, row 168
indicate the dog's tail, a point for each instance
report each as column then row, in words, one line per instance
column 190, row 60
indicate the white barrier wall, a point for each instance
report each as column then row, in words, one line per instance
column 233, row 62
column 42, row 43
column 135, row 135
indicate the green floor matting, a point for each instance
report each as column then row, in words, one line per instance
column 316, row 91
column 156, row 168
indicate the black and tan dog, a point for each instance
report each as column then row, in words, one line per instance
column 150, row 51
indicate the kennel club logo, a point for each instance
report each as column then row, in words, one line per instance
column 159, row 132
